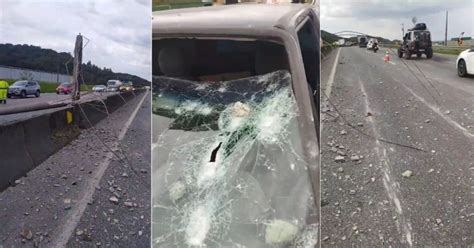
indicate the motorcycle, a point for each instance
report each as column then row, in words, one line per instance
column 375, row 47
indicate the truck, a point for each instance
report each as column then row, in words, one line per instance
column 362, row 40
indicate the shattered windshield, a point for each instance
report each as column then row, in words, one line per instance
column 228, row 165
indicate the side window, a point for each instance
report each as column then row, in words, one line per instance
column 308, row 38
column 308, row 42
column 409, row 36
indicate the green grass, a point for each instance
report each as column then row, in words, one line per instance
column 50, row 87
column 448, row 50
column 158, row 7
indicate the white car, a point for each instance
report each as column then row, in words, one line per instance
column 114, row 85
column 371, row 42
column 99, row 88
column 465, row 63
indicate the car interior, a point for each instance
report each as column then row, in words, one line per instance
column 216, row 60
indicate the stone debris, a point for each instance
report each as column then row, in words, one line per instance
column 114, row 199
column 355, row 158
column 343, row 132
column 26, row 234
column 407, row 173
column 339, row 159
column 128, row 204
column 431, row 170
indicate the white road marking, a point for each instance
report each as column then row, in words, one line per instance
column 328, row 89
column 75, row 215
column 438, row 111
column 391, row 186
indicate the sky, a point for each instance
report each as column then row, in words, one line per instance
column 385, row 17
column 119, row 30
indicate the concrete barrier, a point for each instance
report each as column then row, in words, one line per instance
column 26, row 144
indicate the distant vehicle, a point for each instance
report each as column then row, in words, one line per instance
column 417, row 41
column 465, row 63
column 114, row 85
column 24, row 88
column 373, row 45
column 126, row 87
column 99, row 88
column 64, row 88
column 362, row 40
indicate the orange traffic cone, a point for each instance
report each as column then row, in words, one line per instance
column 387, row 57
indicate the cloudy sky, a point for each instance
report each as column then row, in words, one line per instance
column 119, row 30
column 385, row 17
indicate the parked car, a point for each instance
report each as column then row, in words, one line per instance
column 65, row 88
column 114, row 85
column 465, row 63
column 99, row 88
column 24, row 88
column 236, row 107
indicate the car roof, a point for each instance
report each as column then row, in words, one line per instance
column 224, row 17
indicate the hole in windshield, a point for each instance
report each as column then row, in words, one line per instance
column 228, row 167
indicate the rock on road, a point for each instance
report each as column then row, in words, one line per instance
column 378, row 193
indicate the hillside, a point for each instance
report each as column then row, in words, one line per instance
column 329, row 37
column 37, row 58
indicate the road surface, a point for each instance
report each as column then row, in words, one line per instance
column 45, row 98
column 84, row 195
column 413, row 184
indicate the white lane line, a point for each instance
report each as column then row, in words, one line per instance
column 328, row 89
column 74, row 217
column 391, row 186
column 439, row 112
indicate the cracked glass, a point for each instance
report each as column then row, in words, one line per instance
column 228, row 165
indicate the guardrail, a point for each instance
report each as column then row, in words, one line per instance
column 32, row 141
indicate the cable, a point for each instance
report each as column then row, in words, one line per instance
column 368, row 135
column 414, row 74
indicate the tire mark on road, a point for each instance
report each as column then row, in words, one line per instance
column 438, row 111
column 391, row 186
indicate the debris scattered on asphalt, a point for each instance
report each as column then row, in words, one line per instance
column 339, row 159
column 407, row 173
column 114, row 200
column 26, row 234
column 355, row 158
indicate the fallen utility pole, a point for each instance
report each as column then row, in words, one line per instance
column 77, row 68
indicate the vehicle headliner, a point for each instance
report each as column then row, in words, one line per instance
column 225, row 18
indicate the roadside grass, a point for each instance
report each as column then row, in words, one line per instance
column 158, row 7
column 449, row 50
column 50, row 87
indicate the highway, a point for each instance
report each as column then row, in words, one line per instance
column 397, row 151
column 94, row 192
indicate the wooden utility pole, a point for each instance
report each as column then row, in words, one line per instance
column 77, row 68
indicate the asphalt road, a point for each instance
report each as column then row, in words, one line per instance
column 370, row 199
column 45, row 98
column 93, row 192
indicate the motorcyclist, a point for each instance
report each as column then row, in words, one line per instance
column 3, row 91
column 375, row 45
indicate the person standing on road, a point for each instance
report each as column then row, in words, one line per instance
column 3, row 91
